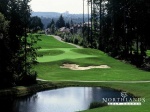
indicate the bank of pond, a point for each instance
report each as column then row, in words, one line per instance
column 64, row 99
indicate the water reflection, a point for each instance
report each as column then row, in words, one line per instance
column 68, row 99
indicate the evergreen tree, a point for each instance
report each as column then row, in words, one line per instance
column 123, row 28
column 36, row 23
column 51, row 23
column 71, row 23
column 4, row 53
column 18, row 48
column 60, row 23
column 3, row 7
column 51, row 26
column 67, row 25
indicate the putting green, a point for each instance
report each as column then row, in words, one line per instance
column 66, row 53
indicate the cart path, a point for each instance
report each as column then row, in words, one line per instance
column 98, row 81
column 60, row 39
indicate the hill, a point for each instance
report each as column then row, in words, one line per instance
column 46, row 17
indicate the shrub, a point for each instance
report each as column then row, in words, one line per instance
column 41, row 32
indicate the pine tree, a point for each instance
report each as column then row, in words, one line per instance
column 20, row 53
column 60, row 23
column 36, row 24
column 4, row 53
column 51, row 26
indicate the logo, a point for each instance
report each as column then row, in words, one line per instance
column 124, row 99
column 124, row 94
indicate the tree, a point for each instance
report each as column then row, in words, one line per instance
column 20, row 53
column 60, row 23
column 3, row 25
column 4, row 52
column 67, row 25
column 3, row 7
column 51, row 23
column 51, row 26
column 121, row 27
column 71, row 23
column 36, row 23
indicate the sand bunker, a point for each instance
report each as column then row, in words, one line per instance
column 76, row 67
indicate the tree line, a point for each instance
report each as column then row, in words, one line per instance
column 17, row 51
column 60, row 23
column 120, row 28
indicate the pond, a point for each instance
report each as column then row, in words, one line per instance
column 69, row 99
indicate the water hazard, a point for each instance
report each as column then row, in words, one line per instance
column 69, row 99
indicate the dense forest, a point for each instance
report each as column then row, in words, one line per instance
column 120, row 28
column 47, row 17
column 17, row 54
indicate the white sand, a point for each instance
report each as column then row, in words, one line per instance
column 76, row 67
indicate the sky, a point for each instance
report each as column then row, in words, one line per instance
column 73, row 6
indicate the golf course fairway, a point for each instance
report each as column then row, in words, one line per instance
column 56, row 53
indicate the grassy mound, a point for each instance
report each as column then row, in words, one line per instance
column 88, row 51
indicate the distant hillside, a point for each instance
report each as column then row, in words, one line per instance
column 46, row 17
column 56, row 15
column 46, row 14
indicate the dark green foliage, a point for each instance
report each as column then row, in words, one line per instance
column 35, row 24
column 51, row 23
column 52, row 27
column 4, row 52
column 121, row 28
column 67, row 25
column 17, row 53
column 3, row 24
column 60, row 23
column 3, row 6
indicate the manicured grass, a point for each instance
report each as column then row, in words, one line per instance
column 54, row 57
column 118, row 71
column 48, row 42
column 49, row 69
column 48, row 52
column 88, row 51
column 68, row 54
